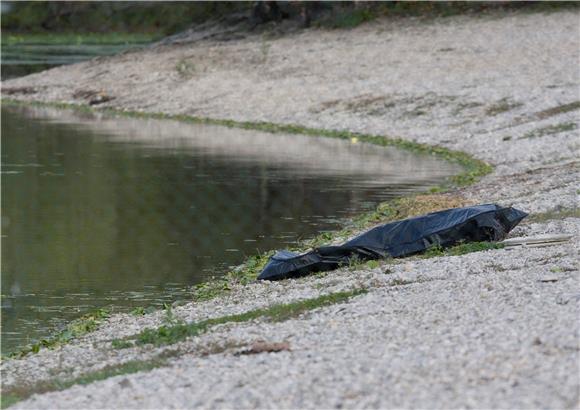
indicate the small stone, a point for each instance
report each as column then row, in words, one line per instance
column 125, row 383
column 549, row 278
column 563, row 299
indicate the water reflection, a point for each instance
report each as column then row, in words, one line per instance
column 99, row 210
column 23, row 59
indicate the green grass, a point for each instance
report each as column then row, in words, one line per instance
column 501, row 106
column 551, row 130
column 560, row 109
column 13, row 395
column 83, row 325
column 461, row 249
column 142, row 311
column 170, row 334
column 350, row 18
column 185, row 68
column 344, row 17
column 8, row 399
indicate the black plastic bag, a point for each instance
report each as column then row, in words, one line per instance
column 479, row 223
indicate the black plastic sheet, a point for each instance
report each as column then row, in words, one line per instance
column 488, row 222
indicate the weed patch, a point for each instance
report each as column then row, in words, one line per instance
column 560, row 109
column 83, row 325
column 551, row 130
column 12, row 395
column 165, row 335
column 185, row 68
column 142, row 311
column 349, row 19
column 461, row 249
column 501, row 106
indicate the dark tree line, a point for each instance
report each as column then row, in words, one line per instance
column 168, row 17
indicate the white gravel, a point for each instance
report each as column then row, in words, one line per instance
column 483, row 330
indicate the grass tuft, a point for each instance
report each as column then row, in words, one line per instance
column 185, row 68
column 501, row 106
column 461, row 249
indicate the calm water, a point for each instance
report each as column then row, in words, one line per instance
column 22, row 59
column 100, row 211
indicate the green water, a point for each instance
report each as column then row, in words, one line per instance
column 100, row 211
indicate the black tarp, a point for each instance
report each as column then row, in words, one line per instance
column 488, row 222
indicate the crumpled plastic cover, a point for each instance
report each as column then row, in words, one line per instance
column 488, row 222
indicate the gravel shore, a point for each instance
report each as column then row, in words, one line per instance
column 493, row 329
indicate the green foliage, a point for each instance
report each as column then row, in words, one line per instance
column 121, row 344
column 323, row 238
column 7, row 399
column 357, row 264
column 346, row 15
column 83, row 325
column 433, row 251
column 243, row 275
column 210, row 290
column 170, row 318
column 166, row 334
column 142, row 311
column 93, row 16
column 461, row 249
column 250, row 269
column 185, row 68
column 372, row 264
column 349, row 18
column 169, row 17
